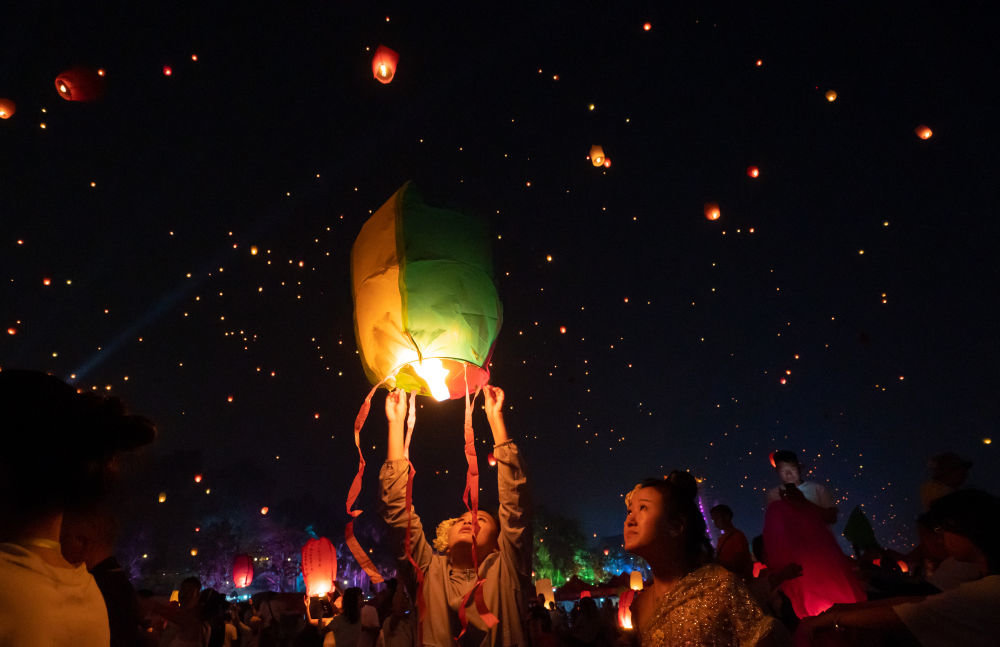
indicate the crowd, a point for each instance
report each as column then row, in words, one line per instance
column 470, row 585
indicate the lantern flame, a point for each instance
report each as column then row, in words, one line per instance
column 433, row 372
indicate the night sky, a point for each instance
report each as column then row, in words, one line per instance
column 842, row 306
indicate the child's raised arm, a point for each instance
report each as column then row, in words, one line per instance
column 395, row 413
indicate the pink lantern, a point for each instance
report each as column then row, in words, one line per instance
column 319, row 566
column 242, row 571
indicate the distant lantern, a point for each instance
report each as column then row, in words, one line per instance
column 194, row 552
column 242, row 571
column 491, row 459
column 923, row 132
column 712, row 211
column 607, row 162
column 635, row 581
column 384, row 64
column 197, row 478
column 80, row 84
column 831, row 96
column 319, row 566
column 596, row 155
column 175, row 596
column 544, row 587
column 7, row 108
column 760, row 62
column 770, row 457
column 647, row 26
column 168, row 71
column 264, row 510
column 163, row 497
column 753, row 171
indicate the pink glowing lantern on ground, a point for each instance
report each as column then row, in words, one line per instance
column 319, row 566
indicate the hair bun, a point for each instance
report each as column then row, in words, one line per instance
column 686, row 484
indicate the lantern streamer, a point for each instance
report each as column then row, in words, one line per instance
column 359, row 553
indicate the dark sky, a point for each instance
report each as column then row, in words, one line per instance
column 678, row 329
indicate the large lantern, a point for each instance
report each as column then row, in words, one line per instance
column 384, row 64
column 635, row 581
column 7, row 108
column 597, row 155
column 242, row 571
column 544, row 587
column 426, row 311
column 319, row 566
column 80, row 84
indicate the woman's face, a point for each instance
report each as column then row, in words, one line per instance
column 461, row 532
column 788, row 473
column 645, row 520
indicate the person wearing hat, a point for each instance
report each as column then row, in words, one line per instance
column 948, row 473
column 60, row 451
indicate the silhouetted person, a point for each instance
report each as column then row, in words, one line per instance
column 733, row 551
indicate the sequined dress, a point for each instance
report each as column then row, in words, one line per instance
column 708, row 607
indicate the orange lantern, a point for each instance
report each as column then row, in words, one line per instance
column 197, row 478
column 753, row 171
column 242, row 571
column 162, row 498
column 831, row 96
column 319, row 566
column 7, row 108
column 596, row 155
column 194, row 552
column 264, row 510
column 923, row 132
column 712, row 211
column 384, row 64
column 635, row 581
column 80, row 83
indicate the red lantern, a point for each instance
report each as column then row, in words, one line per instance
column 80, row 84
column 319, row 566
column 753, row 171
column 923, row 132
column 770, row 457
column 491, row 459
column 624, row 610
column 384, row 64
column 242, row 571
column 712, row 211
column 7, row 108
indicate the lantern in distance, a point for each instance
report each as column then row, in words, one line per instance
column 597, row 155
column 635, row 581
column 384, row 64
column 162, row 498
column 7, row 108
column 80, row 83
column 923, row 132
column 544, row 587
column 712, row 211
column 831, row 96
column 753, row 171
column 426, row 310
column 242, row 571
column 319, row 566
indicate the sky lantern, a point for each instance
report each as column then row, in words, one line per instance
column 264, row 511
column 80, row 83
column 168, row 71
column 923, row 132
column 712, row 211
column 242, row 571
column 635, row 581
column 194, row 552
column 319, row 566
column 7, row 108
column 544, row 587
column 384, row 64
column 597, row 156
column 753, row 171
column 831, row 96
column 624, row 609
column 162, row 498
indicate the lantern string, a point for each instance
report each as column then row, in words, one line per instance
column 410, row 421
column 362, row 558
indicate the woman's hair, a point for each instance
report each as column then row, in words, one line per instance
column 351, row 605
column 974, row 514
column 440, row 542
column 680, row 497
column 785, row 456
column 61, row 445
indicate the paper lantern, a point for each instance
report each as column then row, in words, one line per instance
column 197, row 478
column 712, row 211
column 635, row 581
column 597, row 155
column 194, row 552
column 426, row 311
column 242, row 571
column 384, row 64
column 753, row 171
column 175, row 596
column 624, row 609
column 831, row 96
column 319, row 566
column 923, row 132
column 544, row 587
column 162, row 498
column 80, row 84
column 7, row 108
column 491, row 459
column 264, row 511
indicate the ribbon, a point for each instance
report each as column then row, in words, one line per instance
column 359, row 553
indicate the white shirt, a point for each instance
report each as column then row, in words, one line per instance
column 968, row 616
column 45, row 605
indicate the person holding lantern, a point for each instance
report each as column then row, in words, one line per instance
column 474, row 586
column 691, row 601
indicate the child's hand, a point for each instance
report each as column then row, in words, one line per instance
column 395, row 406
column 494, row 402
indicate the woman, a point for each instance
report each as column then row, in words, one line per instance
column 691, row 602
column 450, row 577
column 796, row 531
column 60, row 451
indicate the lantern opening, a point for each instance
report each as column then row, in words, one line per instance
column 433, row 372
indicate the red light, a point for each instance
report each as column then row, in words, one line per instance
column 194, row 57
column 492, row 460
column 753, row 171
column 197, row 478
column 12, row 331
column 770, row 457
column 167, row 70
column 759, row 63
column 647, row 26
column 712, row 211
column 607, row 162
column 562, row 329
column 264, row 510
column 229, row 399
column 784, row 381
column 46, row 281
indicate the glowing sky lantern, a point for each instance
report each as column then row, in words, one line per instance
column 624, row 609
column 544, row 587
column 162, row 498
column 7, row 108
column 242, row 571
column 712, row 211
column 426, row 311
column 753, row 171
column 831, row 96
column 319, row 566
column 197, row 478
column 80, row 83
column 596, row 155
column 264, row 511
column 384, row 64
column 635, row 581
column 923, row 132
